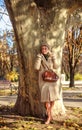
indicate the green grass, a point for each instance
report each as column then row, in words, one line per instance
column 7, row 92
column 71, row 88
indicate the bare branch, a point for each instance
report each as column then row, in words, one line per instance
column 4, row 13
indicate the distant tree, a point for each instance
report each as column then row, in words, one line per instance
column 8, row 50
column 8, row 53
column 72, row 52
column 65, row 64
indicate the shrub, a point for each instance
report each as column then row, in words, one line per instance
column 12, row 76
column 78, row 76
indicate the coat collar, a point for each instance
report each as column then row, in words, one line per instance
column 46, row 62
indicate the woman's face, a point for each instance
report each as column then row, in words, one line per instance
column 44, row 49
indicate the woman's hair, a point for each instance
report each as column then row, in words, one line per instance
column 44, row 44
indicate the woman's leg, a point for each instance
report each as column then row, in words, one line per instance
column 48, row 110
column 51, row 104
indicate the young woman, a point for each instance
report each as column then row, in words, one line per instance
column 45, row 59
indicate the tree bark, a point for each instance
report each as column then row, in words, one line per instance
column 35, row 21
column 72, row 77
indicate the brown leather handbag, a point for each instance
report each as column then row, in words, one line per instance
column 50, row 76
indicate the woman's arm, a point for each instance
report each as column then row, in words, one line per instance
column 55, row 65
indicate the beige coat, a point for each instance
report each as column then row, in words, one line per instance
column 49, row 92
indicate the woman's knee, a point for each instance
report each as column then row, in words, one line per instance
column 52, row 103
column 48, row 105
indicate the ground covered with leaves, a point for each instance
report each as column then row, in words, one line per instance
column 9, row 120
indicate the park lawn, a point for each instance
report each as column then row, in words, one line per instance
column 75, row 89
column 7, row 92
column 9, row 120
column 72, row 88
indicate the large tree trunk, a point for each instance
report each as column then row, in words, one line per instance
column 34, row 21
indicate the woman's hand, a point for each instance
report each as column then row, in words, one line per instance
column 50, row 54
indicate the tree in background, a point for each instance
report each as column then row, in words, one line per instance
column 72, row 52
column 73, row 45
column 4, row 65
column 8, row 53
column 65, row 64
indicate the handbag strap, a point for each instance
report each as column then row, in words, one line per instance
column 43, row 62
column 45, row 65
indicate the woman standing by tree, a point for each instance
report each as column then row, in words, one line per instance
column 49, row 92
